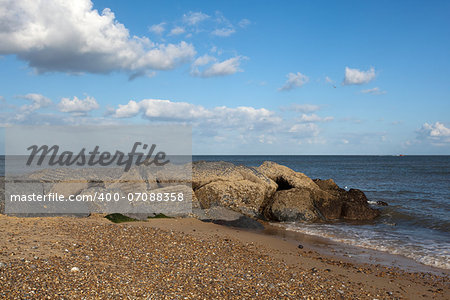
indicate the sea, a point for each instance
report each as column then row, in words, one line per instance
column 415, row 224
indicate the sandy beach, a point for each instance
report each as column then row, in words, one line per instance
column 66, row 257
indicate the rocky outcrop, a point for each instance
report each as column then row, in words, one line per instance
column 276, row 192
column 298, row 197
column 239, row 188
column 217, row 189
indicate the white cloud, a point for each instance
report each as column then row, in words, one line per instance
column 225, row 117
column 304, row 108
column 224, row 32
column 307, row 129
column 226, row 67
column 313, row 118
column 293, row 81
column 374, row 91
column 177, row 30
column 78, row 106
column 128, row 110
column 158, row 28
column 203, row 60
column 355, row 76
column 37, row 101
column 437, row 133
column 193, row 18
column 71, row 36
column 244, row 23
column 160, row 109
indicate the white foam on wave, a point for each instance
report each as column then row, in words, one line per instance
column 425, row 252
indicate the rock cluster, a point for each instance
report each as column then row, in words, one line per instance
column 223, row 191
column 275, row 192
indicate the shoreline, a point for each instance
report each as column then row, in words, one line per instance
column 352, row 253
column 185, row 257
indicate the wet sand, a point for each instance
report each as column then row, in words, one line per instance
column 187, row 259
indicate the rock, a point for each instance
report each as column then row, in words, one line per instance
column 2, row 265
column 327, row 185
column 354, row 204
column 129, row 182
column 75, row 269
column 242, row 196
column 292, row 205
column 69, row 187
column 307, row 201
column 381, row 203
column 270, row 191
column 300, row 246
column 239, row 188
column 284, row 177
column 328, row 205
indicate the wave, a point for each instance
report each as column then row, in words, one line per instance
column 425, row 251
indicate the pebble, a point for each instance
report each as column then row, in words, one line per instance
column 150, row 263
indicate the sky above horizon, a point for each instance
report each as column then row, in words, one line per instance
column 251, row 77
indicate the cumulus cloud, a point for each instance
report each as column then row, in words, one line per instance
column 37, row 101
column 160, row 109
column 305, row 130
column 71, row 36
column 437, row 133
column 355, row 76
column 158, row 28
column 374, row 91
column 294, row 80
column 224, row 32
column 242, row 125
column 177, row 30
column 313, row 118
column 226, row 67
column 78, row 106
column 203, row 60
column 304, row 108
column 193, row 18
column 166, row 110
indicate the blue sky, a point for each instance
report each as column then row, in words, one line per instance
column 251, row 77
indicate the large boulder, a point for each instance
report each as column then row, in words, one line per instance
column 303, row 204
column 242, row 189
column 354, row 202
column 284, row 177
column 292, row 205
column 298, row 197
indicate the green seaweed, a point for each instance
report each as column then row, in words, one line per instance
column 119, row 218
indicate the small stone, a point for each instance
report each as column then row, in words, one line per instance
column 300, row 246
column 2, row 265
column 75, row 269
